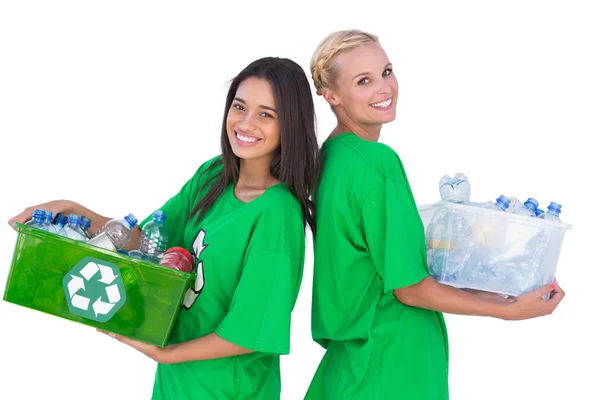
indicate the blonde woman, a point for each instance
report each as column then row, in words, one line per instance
column 375, row 308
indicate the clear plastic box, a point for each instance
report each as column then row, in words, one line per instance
column 477, row 248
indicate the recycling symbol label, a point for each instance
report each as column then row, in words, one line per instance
column 94, row 289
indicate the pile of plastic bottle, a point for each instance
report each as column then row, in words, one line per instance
column 74, row 227
column 460, row 243
column 115, row 235
column 458, row 190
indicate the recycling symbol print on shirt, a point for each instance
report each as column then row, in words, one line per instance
column 94, row 289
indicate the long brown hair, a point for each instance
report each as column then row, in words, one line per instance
column 297, row 161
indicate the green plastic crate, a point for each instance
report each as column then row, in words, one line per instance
column 96, row 287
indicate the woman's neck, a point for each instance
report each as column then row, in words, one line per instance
column 256, row 173
column 366, row 132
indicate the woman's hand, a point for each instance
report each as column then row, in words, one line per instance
column 55, row 206
column 207, row 347
column 532, row 305
column 430, row 294
column 154, row 352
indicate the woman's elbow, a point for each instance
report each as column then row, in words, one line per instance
column 406, row 295
column 413, row 295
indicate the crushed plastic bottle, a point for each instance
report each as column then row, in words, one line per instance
column 445, row 256
column 455, row 190
column 514, row 203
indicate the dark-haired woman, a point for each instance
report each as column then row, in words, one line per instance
column 243, row 214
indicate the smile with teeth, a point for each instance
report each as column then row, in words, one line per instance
column 246, row 139
column 383, row 104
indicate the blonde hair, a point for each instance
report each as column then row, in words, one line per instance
column 322, row 64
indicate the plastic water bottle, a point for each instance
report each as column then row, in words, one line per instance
column 528, row 208
column 55, row 220
column 448, row 255
column 73, row 229
column 85, row 224
column 61, row 222
column 514, row 203
column 501, row 204
column 553, row 210
column 116, row 234
column 481, row 269
column 38, row 220
column 134, row 254
column 154, row 237
column 520, row 271
column 48, row 222
column 178, row 258
column 539, row 212
column 36, row 212
column 455, row 190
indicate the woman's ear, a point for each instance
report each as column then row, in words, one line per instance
column 330, row 97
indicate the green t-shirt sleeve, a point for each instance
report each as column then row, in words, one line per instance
column 394, row 235
column 178, row 207
column 259, row 317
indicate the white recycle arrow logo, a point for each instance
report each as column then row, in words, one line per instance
column 76, row 288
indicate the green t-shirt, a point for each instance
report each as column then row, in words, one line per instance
column 370, row 241
column 251, row 258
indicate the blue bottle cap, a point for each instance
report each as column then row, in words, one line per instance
column 61, row 219
column 159, row 216
column 131, row 220
column 74, row 219
column 85, row 222
column 531, row 203
column 39, row 217
column 555, row 208
column 502, row 202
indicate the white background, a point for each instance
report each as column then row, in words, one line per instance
column 114, row 104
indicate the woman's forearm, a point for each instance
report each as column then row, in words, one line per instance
column 432, row 295
column 207, row 347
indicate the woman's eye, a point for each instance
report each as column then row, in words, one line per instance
column 238, row 107
column 387, row 72
column 364, row 81
column 266, row 115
